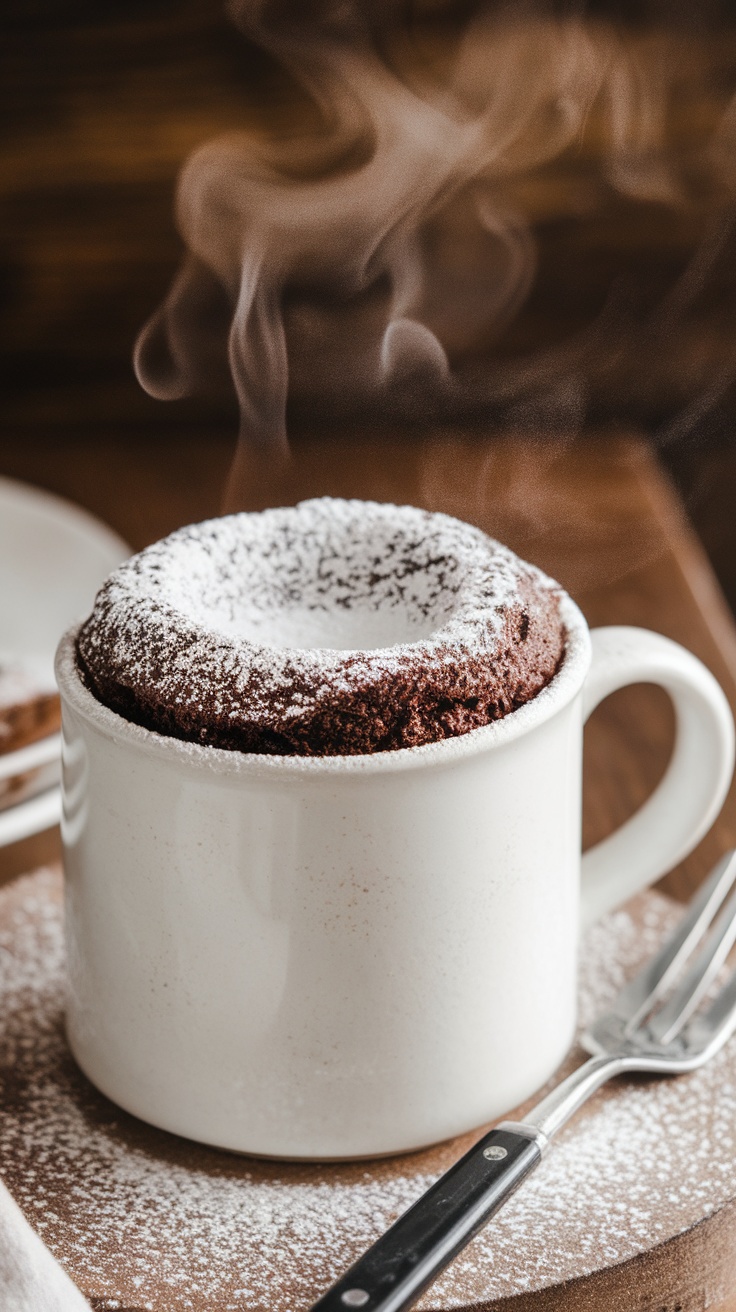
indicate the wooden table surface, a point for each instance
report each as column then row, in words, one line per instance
column 598, row 514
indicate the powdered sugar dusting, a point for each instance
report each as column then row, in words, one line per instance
column 16, row 685
column 260, row 623
column 144, row 1220
column 330, row 565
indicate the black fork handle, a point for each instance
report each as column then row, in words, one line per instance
column 392, row 1274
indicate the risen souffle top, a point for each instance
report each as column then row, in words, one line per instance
column 329, row 628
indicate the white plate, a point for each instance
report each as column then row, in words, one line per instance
column 53, row 558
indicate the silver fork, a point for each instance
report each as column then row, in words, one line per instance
column 656, row 1025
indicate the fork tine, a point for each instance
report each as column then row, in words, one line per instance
column 638, row 997
column 667, row 1023
column 713, row 1027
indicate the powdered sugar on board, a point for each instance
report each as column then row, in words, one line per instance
column 144, row 1220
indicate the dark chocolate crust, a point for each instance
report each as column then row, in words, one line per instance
column 498, row 638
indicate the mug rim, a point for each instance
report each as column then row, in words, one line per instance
column 108, row 724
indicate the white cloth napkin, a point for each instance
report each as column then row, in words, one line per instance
column 31, row 1280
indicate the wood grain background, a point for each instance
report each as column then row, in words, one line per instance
column 100, row 105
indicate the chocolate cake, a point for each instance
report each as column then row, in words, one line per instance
column 330, row 628
column 29, row 709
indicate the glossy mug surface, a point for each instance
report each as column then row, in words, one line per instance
column 346, row 956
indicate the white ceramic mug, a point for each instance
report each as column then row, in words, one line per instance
column 345, row 956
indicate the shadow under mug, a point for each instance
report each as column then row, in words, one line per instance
column 339, row 957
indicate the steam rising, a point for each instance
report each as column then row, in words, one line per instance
column 393, row 216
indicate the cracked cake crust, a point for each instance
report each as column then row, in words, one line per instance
column 416, row 627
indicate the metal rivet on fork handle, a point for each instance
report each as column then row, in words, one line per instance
column 495, row 1154
column 354, row 1297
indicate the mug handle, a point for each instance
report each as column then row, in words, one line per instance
column 687, row 800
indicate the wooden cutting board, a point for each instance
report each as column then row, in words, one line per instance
column 599, row 516
column 634, row 1207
